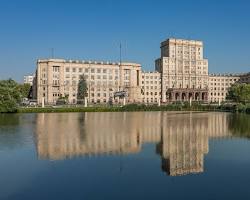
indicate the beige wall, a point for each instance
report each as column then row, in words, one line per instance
column 182, row 65
column 219, row 85
column 151, row 87
column 56, row 77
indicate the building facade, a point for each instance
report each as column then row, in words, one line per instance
column 183, row 69
column 59, row 78
column 28, row 79
column 181, row 74
column 151, row 87
column 219, row 85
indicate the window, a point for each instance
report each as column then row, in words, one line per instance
column 56, row 68
column 67, row 69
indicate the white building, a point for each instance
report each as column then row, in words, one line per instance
column 28, row 79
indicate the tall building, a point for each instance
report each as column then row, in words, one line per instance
column 183, row 69
column 59, row 78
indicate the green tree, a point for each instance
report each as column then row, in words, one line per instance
column 24, row 90
column 82, row 89
column 9, row 96
column 239, row 93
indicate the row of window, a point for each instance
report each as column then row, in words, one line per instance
column 92, row 77
column 149, row 100
column 218, row 94
column 147, row 87
column 92, row 70
column 221, row 84
column 151, row 93
column 213, row 79
column 151, row 82
column 150, row 77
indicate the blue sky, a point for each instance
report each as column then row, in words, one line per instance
column 92, row 30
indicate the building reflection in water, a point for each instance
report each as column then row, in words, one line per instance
column 181, row 139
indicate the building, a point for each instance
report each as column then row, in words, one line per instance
column 181, row 74
column 219, row 85
column 151, row 87
column 184, row 71
column 28, row 79
column 59, row 78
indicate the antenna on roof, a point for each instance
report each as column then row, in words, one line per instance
column 52, row 52
column 120, row 53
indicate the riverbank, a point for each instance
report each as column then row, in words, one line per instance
column 135, row 107
column 127, row 108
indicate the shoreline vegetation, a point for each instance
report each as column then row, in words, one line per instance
column 240, row 108
column 12, row 96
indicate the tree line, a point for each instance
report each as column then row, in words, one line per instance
column 11, row 94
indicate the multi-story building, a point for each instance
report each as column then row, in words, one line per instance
column 181, row 75
column 219, row 85
column 58, row 77
column 183, row 69
column 151, row 87
column 28, row 79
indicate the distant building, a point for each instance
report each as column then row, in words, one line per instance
column 28, row 79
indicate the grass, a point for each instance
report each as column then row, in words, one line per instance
column 127, row 108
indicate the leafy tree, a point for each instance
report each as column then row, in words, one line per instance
column 63, row 99
column 9, row 96
column 24, row 90
column 239, row 93
column 82, row 89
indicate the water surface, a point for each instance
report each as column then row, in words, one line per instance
column 135, row 155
